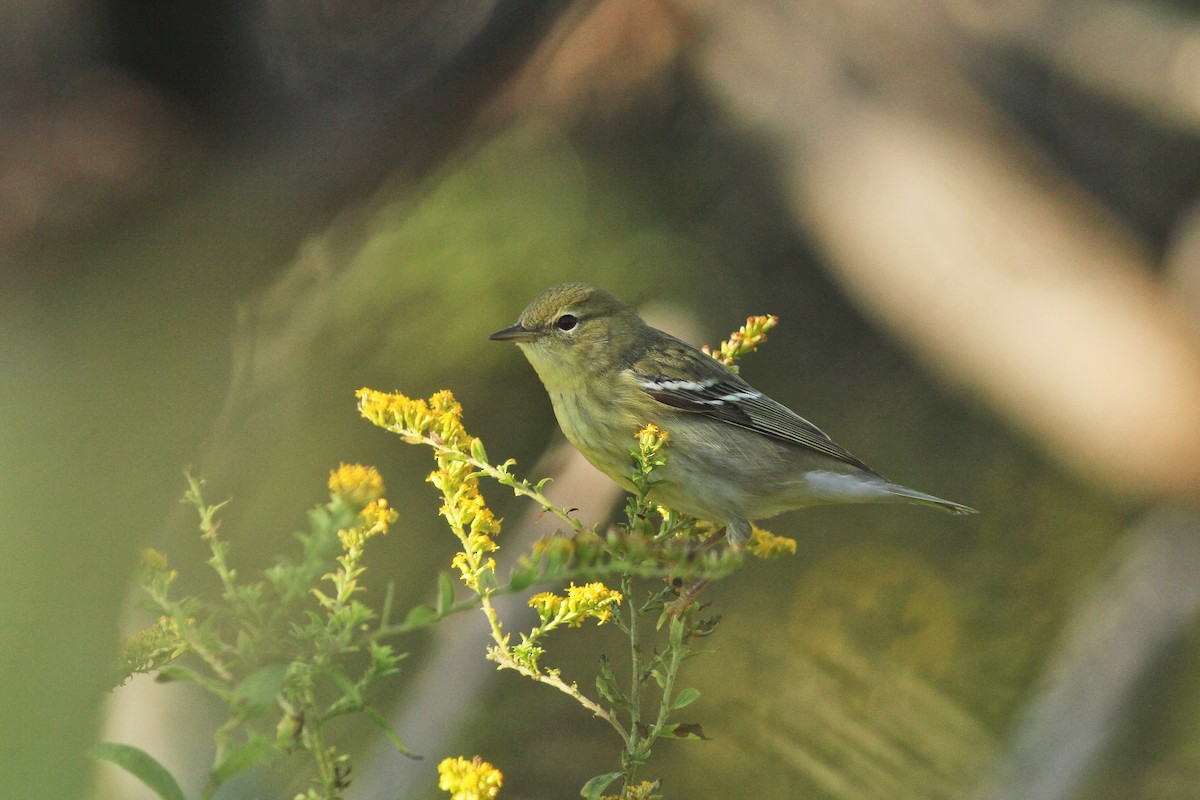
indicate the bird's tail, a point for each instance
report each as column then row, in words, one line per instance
column 906, row 495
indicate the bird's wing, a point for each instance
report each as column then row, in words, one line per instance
column 680, row 376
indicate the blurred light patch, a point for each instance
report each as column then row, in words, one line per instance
column 1015, row 284
column 1157, row 73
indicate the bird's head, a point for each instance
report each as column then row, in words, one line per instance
column 573, row 329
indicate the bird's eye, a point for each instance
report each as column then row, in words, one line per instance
column 566, row 322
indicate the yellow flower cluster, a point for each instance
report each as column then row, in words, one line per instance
column 153, row 560
column 361, row 486
column 378, row 515
column 376, row 518
column 745, row 339
column 767, row 545
column 438, row 422
column 152, row 568
column 651, row 440
column 439, row 418
column 473, row 779
column 150, row 648
column 594, row 600
column 356, row 484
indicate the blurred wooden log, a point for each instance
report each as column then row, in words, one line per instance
column 954, row 233
column 1157, row 75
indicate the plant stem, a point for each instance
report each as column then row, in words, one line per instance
column 502, row 655
column 633, row 743
column 505, row 478
column 668, row 690
column 314, row 742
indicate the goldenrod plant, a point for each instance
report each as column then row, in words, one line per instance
column 285, row 652
column 295, row 647
column 469, row 779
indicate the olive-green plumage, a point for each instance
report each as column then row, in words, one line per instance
column 735, row 454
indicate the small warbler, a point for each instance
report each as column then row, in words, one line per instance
column 734, row 454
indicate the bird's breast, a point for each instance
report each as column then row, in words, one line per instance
column 600, row 429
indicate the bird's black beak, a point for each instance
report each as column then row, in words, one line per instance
column 514, row 333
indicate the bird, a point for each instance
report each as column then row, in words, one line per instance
column 734, row 454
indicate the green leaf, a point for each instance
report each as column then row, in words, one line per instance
column 705, row 627
column 258, row 750
column 684, row 730
column 420, row 616
column 384, row 661
column 596, row 786
column 477, row 451
column 390, row 732
column 142, row 766
column 606, row 683
column 256, row 694
column 445, row 597
column 385, row 613
column 325, row 600
column 488, row 580
column 319, row 519
column 351, row 694
column 173, row 672
column 606, row 689
column 677, row 630
column 522, row 577
column 685, row 698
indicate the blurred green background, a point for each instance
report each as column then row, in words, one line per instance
column 216, row 223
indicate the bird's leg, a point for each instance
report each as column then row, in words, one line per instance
column 737, row 531
column 689, row 594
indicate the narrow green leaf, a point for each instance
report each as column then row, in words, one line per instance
column 477, row 451
column 390, row 732
column 596, row 786
column 488, row 580
column 606, row 683
column 325, row 600
column 385, row 613
column 319, row 519
column 343, row 682
column 606, row 689
column 522, row 577
column 420, row 616
column 677, row 630
column 258, row 750
column 706, row 626
column 445, row 597
column 141, row 765
column 684, row 730
column 173, row 672
column 685, row 698
column 256, row 694
column 663, row 616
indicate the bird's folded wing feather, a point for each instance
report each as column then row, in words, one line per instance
column 686, row 379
